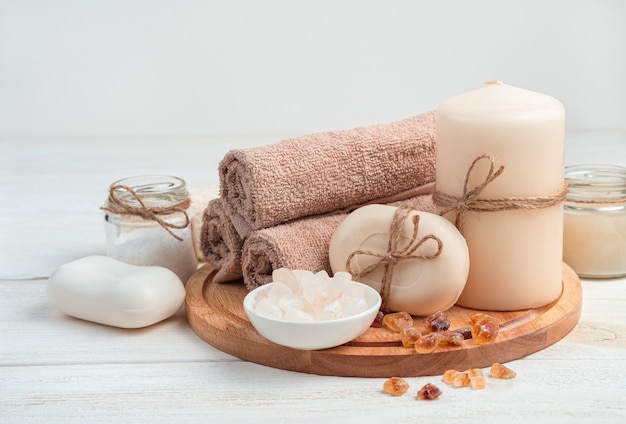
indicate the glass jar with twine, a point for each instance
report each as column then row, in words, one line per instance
column 148, row 222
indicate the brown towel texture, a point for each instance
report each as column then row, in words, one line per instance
column 200, row 196
column 300, row 244
column 220, row 243
column 280, row 204
column 323, row 172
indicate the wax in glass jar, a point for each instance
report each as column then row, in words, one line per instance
column 594, row 225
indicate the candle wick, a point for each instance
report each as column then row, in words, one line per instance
column 495, row 82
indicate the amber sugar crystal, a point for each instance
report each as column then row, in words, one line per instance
column 461, row 379
column 485, row 328
column 501, row 371
column 427, row 343
column 410, row 335
column 395, row 386
column 449, row 375
column 477, row 378
column 473, row 377
column 438, row 321
column 466, row 332
column 451, row 338
column 396, row 321
column 428, row 392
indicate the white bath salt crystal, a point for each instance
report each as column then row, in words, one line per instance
column 333, row 310
column 297, row 315
column 304, row 296
column 284, row 275
column 302, row 273
column 317, row 306
column 323, row 316
column 266, row 308
column 312, row 291
column 322, row 275
column 290, row 302
column 352, row 290
column 342, row 276
column 310, row 285
column 329, row 314
column 334, row 289
column 277, row 291
column 354, row 305
column 306, row 278
column 263, row 294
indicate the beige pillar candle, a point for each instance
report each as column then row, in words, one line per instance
column 515, row 255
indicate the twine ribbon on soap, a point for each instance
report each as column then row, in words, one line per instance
column 154, row 213
column 395, row 252
column 469, row 201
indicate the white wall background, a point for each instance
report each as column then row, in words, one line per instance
column 207, row 67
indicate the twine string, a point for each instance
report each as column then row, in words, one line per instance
column 154, row 213
column 469, row 200
column 395, row 251
column 615, row 200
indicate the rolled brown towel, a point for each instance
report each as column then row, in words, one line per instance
column 200, row 196
column 220, row 243
column 319, row 173
column 299, row 244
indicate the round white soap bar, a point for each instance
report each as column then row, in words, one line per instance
column 104, row 290
column 418, row 286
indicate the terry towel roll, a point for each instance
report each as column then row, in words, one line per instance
column 323, row 172
column 300, row 244
column 220, row 243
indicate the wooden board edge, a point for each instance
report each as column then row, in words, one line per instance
column 349, row 361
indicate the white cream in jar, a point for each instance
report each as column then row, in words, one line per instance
column 594, row 225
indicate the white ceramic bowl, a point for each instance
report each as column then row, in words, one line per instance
column 313, row 335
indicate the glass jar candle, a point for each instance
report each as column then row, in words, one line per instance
column 148, row 222
column 594, row 232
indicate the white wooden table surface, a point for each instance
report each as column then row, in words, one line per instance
column 57, row 369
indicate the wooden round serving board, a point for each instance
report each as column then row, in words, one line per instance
column 215, row 312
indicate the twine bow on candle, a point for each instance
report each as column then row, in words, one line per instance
column 469, row 200
column 395, row 252
column 119, row 206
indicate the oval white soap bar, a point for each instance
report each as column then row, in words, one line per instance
column 104, row 290
column 418, row 286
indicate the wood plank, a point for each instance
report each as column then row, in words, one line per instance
column 243, row 392
column 216, row 314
